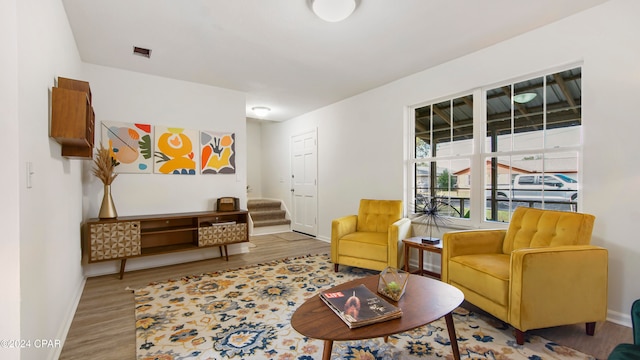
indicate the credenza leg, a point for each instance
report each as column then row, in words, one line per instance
column 452, row 336
column 123, row 262
column 328, row 347
column 224, row 251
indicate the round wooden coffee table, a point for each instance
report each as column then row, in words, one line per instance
column 425, row 300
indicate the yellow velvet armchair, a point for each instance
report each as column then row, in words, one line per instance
column 540, row 272
column 373, row 238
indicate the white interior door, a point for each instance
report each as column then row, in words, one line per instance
column 304, row 173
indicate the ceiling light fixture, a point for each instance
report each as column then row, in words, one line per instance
column 524, row 97
column 260, row 111
column 333, row 10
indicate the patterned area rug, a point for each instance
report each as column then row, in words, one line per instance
column 245, row 314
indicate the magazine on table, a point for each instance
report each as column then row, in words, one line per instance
column 359, row 306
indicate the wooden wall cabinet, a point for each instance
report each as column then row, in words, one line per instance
column 73, row 118
column 135, row 236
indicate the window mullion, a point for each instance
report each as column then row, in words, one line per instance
column 477, row 161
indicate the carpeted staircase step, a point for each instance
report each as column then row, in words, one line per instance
column 271, row 222
column 267, row 213
column 255, row 204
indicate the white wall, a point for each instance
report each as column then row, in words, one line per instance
column 9, row 182
column 126, row 96
column 41, row 242
column 50, row 213
column 254, row 158
column 361, row 140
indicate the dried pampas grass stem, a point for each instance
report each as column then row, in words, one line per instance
column 104, row 165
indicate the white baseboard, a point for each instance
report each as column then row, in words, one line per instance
column 619, row 318
column 66, row 324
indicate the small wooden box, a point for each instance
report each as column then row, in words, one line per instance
column 228, row 204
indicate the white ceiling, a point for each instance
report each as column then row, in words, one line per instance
column 284, row 57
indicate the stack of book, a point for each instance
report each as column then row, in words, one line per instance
column 359, row 306
column 431, row 241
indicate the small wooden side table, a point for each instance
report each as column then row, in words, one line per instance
column 416, row 242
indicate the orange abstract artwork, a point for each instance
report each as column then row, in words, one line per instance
column 174, row 152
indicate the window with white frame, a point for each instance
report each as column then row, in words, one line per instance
column 529, row 155
column 443, row 148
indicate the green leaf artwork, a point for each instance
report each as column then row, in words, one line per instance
column 145, row 146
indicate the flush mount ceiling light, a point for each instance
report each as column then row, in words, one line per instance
column 524, row 97
column 260, row 111
column 333, row 10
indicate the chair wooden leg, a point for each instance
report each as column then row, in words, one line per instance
column 519, row 337
column 591, row 328
column 335, row 267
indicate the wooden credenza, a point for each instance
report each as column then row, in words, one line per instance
column 134, row 236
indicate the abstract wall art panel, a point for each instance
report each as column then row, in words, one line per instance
column 175, row 151
column 217, row 152
column 131, row 144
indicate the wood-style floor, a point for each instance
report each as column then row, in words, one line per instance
column 104, row 325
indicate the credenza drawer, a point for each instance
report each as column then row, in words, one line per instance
column 114, row 240
column 220, row 234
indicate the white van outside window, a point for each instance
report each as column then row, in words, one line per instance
column 554, row 187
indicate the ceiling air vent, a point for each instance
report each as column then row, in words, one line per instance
column 142, row 52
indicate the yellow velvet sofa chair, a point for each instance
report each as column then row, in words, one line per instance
column 373, row 238
column 540, row 272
